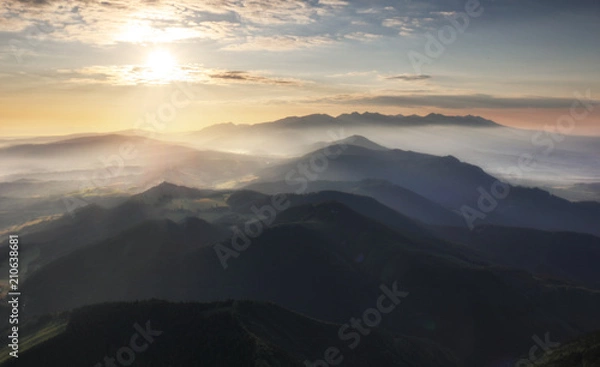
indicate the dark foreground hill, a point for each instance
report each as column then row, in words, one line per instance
column 403, row 201
column 559, row 255
column 326, row 261
column 232, row 333
column 582, row 352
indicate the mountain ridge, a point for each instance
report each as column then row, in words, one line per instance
column 316, row 120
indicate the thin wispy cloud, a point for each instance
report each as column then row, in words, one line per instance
column 279, row 43
column 246, row 77
column 448, row 101
column 130, row 75
column 408, row 77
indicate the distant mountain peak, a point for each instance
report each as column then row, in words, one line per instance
column 166, row 188
column 167, row 185
column 354, row 140
column 163, row 186
column 361, row 141
column 357, row 116
column 307, row 120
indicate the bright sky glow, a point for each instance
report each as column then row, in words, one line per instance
column 519, row 63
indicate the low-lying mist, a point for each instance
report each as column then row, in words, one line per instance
column 232, row 156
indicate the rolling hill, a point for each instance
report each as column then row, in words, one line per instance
column 307, row 261
column 231, row 333
column 446, row 181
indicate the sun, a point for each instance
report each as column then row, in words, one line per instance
column 161, row 66
column 161, row 61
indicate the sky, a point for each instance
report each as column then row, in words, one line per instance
column 178, row 65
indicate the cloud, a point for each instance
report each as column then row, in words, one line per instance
column 465, row 101
column 104, row 22
column 279, row 43
column 409, row 25
column 362, row 36
column 127, row 75
column 139, row 21
column 12, row 24
column 408, row 77
column 353, row 74
column 237, row 24
column 246, row 77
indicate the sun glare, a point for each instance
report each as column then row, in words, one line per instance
column 162, row 66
